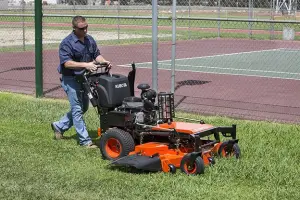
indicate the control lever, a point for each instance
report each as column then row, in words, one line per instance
column 102, row 65
column 89, row 92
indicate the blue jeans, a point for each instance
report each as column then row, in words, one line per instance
column 79, row 103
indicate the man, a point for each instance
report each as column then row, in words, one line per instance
column 77, row 51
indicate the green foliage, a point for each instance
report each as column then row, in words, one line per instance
column 34, row 166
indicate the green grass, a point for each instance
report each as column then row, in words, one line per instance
column 34, row 166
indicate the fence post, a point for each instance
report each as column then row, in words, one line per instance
column 250, row 17
column 272, row 7
column 23, row 25
column 219, row 16
column 189, row 33
column 154, row 44
column 173, row 45
column 38, row 48
column 118, row 10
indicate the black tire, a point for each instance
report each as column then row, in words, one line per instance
column 172, row 168
column 116, row 143
column 197, row 167
column 212, row 161
column 230, row 150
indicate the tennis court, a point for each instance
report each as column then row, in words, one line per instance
column 226, row 77
column 273, row 63
column 254, row 84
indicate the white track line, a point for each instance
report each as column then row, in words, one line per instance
column 229, row 54
column 226, row 68
column 180, row 70
column 289, row 50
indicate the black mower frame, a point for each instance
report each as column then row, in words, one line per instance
column 123, row 120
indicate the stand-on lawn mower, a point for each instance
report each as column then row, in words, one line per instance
column 140, row 132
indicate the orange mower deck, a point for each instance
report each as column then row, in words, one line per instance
column 159, row 156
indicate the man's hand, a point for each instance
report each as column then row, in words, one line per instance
column 104, row 63
column 101, row 59
column 91, row 66
column 108, row 65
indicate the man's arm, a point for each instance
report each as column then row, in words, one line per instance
column 76, row 65
column 101, row 59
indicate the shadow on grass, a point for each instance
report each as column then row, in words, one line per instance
column 129, row 170
column 93, row 134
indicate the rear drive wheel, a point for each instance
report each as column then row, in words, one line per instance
column 116, row 143
column 228, row 150
column 192, row 167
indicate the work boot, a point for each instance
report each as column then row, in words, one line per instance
column 57, row 134
column 91, row 146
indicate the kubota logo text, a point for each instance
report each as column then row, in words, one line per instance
column 122, row 85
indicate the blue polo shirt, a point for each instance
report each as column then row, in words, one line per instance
column 71, row 48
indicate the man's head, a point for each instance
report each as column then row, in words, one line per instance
column 79, row 26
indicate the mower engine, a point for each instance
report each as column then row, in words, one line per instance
column 143, row 109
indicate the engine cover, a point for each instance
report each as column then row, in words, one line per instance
column 112, row 89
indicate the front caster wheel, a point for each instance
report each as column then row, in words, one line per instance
column 228, row 149
column 190, row 167
column 172, row 168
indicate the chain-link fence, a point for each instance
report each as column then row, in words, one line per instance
column 234, row 58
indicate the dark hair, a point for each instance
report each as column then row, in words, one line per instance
column 77, row 19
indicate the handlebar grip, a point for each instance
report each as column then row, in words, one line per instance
column 101, row 64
